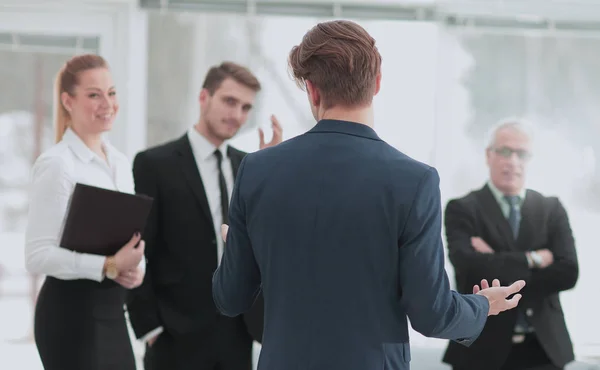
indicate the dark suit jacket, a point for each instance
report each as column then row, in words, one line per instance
column 544, row 224
column 344, row 234
column 181, row 245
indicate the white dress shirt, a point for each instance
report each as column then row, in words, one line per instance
column 54, row 176
column 209, row 172
column 204, row 155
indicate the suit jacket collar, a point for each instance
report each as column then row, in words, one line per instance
column 499, row 195
column 235, row 156
column 493, row 213
column 189, row 167
column 202, row 147
column 183, row 147
column 345, row 127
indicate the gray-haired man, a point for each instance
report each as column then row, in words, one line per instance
column 506, row 231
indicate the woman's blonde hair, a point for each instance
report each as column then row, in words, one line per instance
column 66, row 80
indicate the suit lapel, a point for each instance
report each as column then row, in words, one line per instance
column 493, row 214
column 235, row 157
column 189, row 167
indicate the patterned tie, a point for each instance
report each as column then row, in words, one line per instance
column 222, row 188
column 514, row 219
column 514, row 216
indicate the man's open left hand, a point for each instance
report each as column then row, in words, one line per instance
column 277, row 134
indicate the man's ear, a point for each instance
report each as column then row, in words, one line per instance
column 313, row 94
column 488, row 156
column 204, row 95
column 377, row 83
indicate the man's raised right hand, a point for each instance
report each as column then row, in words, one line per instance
column 497, row 295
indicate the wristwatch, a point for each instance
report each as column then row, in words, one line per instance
column 537, row 259
column 111, row 268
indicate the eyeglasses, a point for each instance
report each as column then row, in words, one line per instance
column 508, row 152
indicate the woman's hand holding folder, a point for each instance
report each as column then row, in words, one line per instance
column 126, row 262
column 130, row 255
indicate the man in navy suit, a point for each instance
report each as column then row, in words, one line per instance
column 343, row 232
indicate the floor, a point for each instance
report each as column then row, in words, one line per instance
column 18, row 352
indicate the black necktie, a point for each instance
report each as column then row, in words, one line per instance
column 222, row 188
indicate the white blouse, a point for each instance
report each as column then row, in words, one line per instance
column 54, row 176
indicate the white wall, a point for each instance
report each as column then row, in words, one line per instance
column 122, row 28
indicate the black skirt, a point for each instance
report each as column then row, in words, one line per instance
column 80, row 325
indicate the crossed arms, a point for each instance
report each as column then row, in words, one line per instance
column 471, row 258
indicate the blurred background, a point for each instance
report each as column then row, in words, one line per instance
column 451, row 69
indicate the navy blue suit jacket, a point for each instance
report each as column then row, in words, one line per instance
column 343, row 234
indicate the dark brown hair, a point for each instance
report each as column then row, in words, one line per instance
column 217, row 74
column 66, row 80
column 341, row 60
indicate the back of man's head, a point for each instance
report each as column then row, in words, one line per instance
column 341, row 60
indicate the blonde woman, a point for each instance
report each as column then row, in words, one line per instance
column 79, row 316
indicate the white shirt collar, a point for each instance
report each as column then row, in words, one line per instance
column 83, row 151
column 202, row 148
column 499, row 195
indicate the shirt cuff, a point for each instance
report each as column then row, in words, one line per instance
column 152, row 334
column 142, row 264
column 91, row 266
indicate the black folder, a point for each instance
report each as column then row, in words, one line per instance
column 101, row 221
